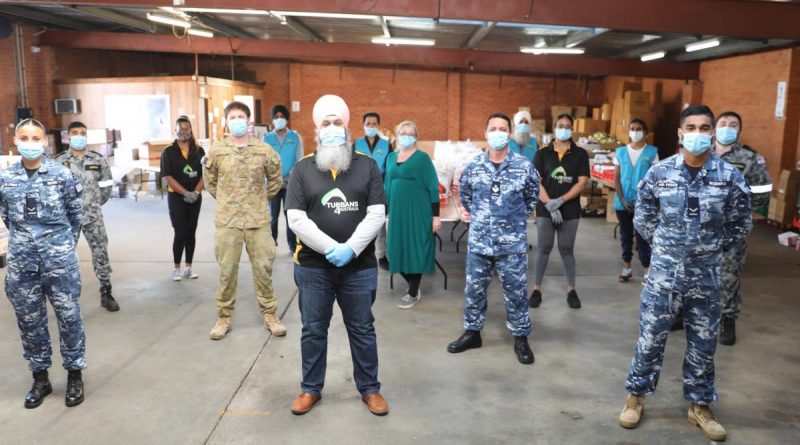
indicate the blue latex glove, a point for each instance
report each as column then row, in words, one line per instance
column 555, row 215
column 554, row 204
column 339, row 255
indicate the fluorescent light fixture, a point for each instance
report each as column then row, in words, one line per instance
column 462, row 22
column 545, row 31
column 226, row 11
column 201, row 33
column 402, row 41
column 537, row 51
column 168, row 20
column 653, row 56
column 324, row 15
column 408, row 19
column 705, row 44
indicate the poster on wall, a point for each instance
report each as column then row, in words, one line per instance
column 141, row 118
column 780, row 102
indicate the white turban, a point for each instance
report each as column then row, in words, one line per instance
column 520, row 115
column 330, row 105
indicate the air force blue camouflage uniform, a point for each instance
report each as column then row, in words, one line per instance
column 499, row 201
column 43, row 217
column 688, row 224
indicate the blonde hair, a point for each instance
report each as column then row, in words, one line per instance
column 406, row 124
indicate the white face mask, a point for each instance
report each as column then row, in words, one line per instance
column 636, row 136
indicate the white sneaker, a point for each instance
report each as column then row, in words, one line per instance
column 176, row 275
column 188, row 274
column 407, row 302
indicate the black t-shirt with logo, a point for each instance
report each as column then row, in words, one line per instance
column 336, row 204
column 559, row 175
column 187, row 172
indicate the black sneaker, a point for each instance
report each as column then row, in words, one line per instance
column 383, row 263
column 536, row 298
column 468, row 340
column 572, row 299
column 727, row 333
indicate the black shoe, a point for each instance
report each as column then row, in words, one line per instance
column 572, row 299
column 677, row 324
column 536, row 298
column 727, row 334
column 40, row 389
column 469, row 340
column 74, row 396
column 383, row 263
column 106, row 300
column 523, row 350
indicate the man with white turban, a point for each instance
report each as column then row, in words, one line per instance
column 335, row 205
column 522, row 142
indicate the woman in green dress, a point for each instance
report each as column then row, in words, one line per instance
column 412, row 197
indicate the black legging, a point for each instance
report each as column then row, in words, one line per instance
column 413, row 280
column 184, row 218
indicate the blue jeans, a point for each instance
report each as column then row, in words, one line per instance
column 626, row 235
column 354, row 290
column 275, row 214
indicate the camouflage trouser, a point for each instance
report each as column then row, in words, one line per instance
column 701, row 312
column 513, row 273
column 28, row 292
column 95, row 233
column 731, row 278
column 261, row 250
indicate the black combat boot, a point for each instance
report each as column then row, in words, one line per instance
column 41, row 388
column 107, row 300
column 469, row 340
column 74, row 396
column 523, row 350
column 727, row 334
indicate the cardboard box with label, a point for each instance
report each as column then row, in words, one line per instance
column 636, row 101
column 580, row 112
column 591, row 126
column 557, row 110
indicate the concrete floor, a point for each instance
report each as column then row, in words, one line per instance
column 156, row 378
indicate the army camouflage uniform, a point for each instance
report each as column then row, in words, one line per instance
column 242, row 180
column 499, row 201
column 688, row 224
column 93, row 172
column 754, row 169
column 43, row 217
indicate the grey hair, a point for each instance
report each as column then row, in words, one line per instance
column 406, row 124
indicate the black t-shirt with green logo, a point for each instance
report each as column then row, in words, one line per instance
column 336, row 204
column 559, row 175
column 186, row 171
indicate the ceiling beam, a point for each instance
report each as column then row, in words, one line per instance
column 118, row 18
column 299, row 27
column 373, row 54
column 211, row 22
column 478, row 34
column 736, row 18
column 38, row 15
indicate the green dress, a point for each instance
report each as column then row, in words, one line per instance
column 411, row 188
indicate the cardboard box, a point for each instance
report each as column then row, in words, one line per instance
column 539, row 126
column 782, row 212
column 605, row 112
column 630, row 86
column 580, row 112
column 557, row 110
column 636, row 101
column 788, row 239
column 591, row 126
column 596, row 113
column 788, row 183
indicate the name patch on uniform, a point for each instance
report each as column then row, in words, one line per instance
column 517, row 170
column 92, row 167
column 667, row 183
column 719, row 183
column 53, row 182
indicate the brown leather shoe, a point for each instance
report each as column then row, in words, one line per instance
column 304, row 402
column 376, row 403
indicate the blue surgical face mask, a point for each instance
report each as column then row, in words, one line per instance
column 77, row 142
column 726, row 135
column 371, row 131
column 332, row 135
column 696, row 143
column 279, row 123
column 563, row 134
column 31, row 150
column 498, row 140
column 238, row 127
column 523, row 128
column 406, row 140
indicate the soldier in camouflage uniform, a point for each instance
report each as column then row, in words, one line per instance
column 40, row 204
column 690, row 207
column 499, row 190
column 95, row 175
column 243, row 173
column 754, row 169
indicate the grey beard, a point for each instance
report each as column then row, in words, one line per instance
column 522, row 139
column 336, row 157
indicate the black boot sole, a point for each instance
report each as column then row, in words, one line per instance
column 32, row 405
column 71, row 403
column 453, row 350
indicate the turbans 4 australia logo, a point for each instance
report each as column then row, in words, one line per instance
column 560, row 175
column 337, row 201
column 189, row 171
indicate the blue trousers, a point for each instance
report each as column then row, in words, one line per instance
column 354, row 291
column 512, row 270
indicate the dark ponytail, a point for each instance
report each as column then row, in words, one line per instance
column 192, row 142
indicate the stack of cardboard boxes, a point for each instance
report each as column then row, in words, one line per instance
column 783, row 203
